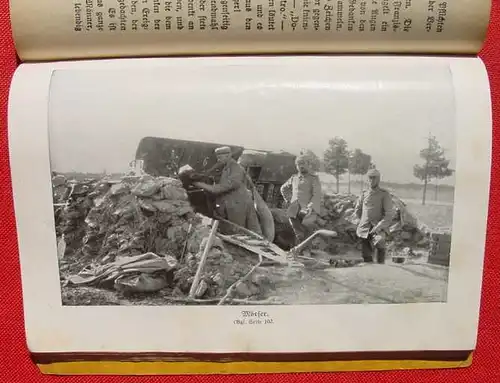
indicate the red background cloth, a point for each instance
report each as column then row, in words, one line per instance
column 16, row 366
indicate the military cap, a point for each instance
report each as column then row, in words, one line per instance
column 223, row 150
column 373, row 173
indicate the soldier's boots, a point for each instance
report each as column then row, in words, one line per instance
column 380, row 256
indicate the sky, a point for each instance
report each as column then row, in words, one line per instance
column 97, row 117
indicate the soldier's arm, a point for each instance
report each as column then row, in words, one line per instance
column 389, row 211
column 358, row 206
column 234, row 180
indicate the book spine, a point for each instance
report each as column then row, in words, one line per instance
column 62, row 29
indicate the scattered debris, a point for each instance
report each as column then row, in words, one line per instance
column 140, row 235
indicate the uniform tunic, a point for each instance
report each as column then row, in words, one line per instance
column 303, row 191
column 373, row 208
column 234, row 200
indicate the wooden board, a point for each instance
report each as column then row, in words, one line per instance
column 267, row 249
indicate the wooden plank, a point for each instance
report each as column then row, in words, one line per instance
column 266, row 251
column 241, row 229
column 248, row 240
column 201, row 265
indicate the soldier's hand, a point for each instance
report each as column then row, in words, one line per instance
column 375, row 230
column 201, row 185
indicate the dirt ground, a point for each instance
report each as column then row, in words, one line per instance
column 370, row 283
column 435, row 215
column 412, row 282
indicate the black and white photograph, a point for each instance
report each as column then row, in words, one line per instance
column 252, row 192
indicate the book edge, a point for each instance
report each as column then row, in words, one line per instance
column 210, row 368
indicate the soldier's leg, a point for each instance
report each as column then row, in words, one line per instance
column 298, row 230
column 381, row 251
column 236, row 212
column 224, row 228
column 309, row 225
column 366, row 250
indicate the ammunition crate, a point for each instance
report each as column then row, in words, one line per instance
column 440, row 248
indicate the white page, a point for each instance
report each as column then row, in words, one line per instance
column 93, row 115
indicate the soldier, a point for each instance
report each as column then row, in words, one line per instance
column 375, row 211
column 303, row 193
column 233, row 199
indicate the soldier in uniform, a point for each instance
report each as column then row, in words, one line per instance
column 375, row 211
column 234, row 200
column 303, row 193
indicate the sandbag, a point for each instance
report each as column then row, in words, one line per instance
column 58, row 180
column 143, row 263
column 118, row 189
column 142, row 283
column 147, row 188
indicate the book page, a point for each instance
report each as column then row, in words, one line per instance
column 56, row 29
column 135, row 216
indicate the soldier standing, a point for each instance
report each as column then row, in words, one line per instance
column 375, row 211
column 233, row 198
column 303, row 193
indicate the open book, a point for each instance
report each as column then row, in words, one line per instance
column 250, row 213
column 58, row 29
